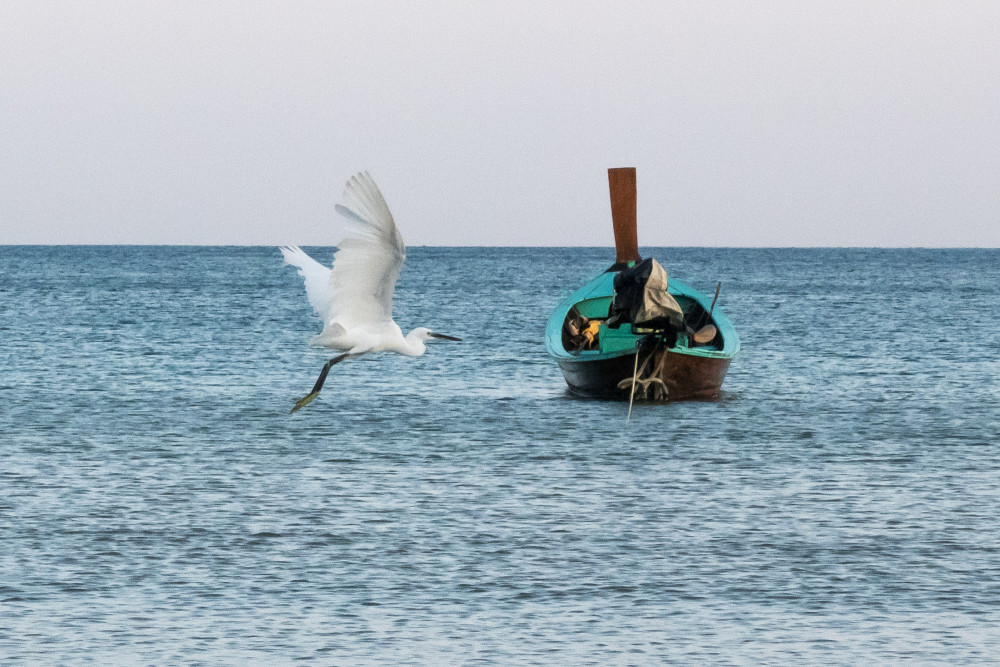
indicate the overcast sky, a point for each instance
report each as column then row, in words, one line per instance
column 751, row 124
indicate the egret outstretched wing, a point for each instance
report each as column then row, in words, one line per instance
column 368, row 260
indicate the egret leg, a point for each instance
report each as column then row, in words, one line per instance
column 308, row 398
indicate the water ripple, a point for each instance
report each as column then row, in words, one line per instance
column 838, row 503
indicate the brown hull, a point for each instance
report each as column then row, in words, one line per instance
column 685, row 376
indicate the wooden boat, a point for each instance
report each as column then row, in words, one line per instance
column 686, row 360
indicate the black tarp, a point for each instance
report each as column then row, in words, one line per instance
column 641, row 299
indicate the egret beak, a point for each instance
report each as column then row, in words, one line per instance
column 437, row 335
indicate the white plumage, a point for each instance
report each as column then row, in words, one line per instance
column 354, row 298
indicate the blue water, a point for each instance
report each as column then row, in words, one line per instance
column 158, row 505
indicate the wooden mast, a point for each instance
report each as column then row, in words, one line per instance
column 621, row 182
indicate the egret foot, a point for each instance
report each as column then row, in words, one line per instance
column 304, row 401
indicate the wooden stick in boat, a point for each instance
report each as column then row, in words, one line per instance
column 706, row 317
column 718, row 286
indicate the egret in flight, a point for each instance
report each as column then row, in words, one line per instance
column 354, row 298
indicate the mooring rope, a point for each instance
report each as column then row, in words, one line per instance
column 635, row 372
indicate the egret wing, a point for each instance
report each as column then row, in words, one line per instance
column 316, row 276
column 369, row 258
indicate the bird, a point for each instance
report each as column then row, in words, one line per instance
column 355, row 296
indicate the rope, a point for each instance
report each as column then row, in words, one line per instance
column 635, row 372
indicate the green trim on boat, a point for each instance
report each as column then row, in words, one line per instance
column 593, row 300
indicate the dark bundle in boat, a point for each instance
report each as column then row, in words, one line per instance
column 632, row 330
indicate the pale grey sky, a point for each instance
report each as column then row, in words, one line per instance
column 493, row 123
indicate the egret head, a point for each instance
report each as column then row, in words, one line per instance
column 423, row 333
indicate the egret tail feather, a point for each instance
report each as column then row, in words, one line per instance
column 316, row 277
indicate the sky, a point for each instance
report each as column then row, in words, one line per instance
column 494, row 123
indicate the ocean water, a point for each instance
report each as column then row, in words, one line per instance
column 839, row 504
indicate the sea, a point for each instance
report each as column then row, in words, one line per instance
column 838, row 504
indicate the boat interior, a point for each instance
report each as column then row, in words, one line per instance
column 584, row 330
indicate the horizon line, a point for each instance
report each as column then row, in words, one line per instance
column 539, row 247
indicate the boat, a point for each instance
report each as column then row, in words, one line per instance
column 608, row 347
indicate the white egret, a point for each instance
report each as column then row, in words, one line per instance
column 354, row 298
